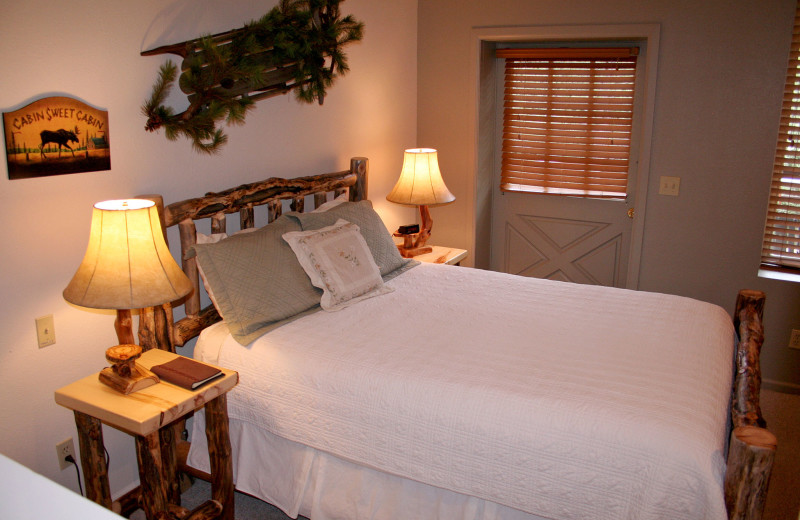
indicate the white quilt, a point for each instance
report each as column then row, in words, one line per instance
column 565, row 401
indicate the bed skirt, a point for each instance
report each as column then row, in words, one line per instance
column 300, row 480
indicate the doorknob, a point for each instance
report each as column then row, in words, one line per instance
column 630, row 212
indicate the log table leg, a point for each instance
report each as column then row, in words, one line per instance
column 169, row 459
column 93, row 460
column 151, row 474
column 219, row 454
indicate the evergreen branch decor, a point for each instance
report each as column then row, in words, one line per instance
column 296, row 46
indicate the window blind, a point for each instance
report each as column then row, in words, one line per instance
column 567, row 119
column 780, row 249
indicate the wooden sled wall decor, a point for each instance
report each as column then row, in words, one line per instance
column 296, row 46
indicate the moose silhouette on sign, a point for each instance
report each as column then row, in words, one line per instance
column 61, row 137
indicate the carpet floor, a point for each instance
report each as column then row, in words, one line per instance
column 782, row 412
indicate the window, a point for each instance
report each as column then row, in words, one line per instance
column 780, row 250
column 567, row 120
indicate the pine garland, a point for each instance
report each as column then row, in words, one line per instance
column 296, row 46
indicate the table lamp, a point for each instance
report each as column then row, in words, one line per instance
column 420, row 184
column 127, row 266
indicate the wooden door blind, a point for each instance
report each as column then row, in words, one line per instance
column 567, row 119
column 780, row 249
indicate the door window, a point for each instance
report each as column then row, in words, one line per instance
column 567, row 120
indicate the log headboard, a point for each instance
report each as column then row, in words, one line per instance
column 157, row 328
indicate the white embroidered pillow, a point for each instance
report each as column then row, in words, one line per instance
column 337, row 260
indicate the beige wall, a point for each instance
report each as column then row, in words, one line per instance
column 720, row 80
column 90, row 50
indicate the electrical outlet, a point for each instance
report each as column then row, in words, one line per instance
column 669, row 186
column 794, row 341
column 45, row 331
column 64, row 449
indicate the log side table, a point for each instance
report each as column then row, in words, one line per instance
column 149, row 415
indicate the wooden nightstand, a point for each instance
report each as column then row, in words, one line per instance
column 149, row 415
column 443, row 255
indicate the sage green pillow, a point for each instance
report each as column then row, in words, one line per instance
column 372, row 228
column 257, row 282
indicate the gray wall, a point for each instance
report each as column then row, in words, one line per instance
column 720, row 79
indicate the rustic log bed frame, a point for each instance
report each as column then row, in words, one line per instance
column 752, row 447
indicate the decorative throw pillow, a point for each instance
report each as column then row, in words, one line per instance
column 256, row 280
column 337, row 260
column 380, row 242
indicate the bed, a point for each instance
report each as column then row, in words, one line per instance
column 432, row 391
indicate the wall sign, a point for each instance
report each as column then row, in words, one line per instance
column 54, row 136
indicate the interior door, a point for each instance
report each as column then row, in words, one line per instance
column 562, row 238
column 567, row 238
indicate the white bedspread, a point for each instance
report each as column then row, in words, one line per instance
column 560, row 400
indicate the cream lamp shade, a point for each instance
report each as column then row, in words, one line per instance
column 420, row 184
column 127, row 263
column 420, row 181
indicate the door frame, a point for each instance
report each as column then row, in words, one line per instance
column 483, row 73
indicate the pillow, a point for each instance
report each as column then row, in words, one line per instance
column 256, row 280
column 337, row 260
column 380, row 242
column 213, row 238
column 209, row 239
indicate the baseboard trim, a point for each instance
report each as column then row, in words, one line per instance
column 780, row 386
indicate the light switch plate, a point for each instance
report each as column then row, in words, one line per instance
column 669, row 186
column 794, row 341
column 45, row 331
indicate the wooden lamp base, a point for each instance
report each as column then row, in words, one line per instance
column 124, row 375
column 414, row 251
column 408, row 249
column 414, row 243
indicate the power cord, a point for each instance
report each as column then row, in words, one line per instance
column 71, row 460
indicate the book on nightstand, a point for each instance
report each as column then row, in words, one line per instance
column 186, row 373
